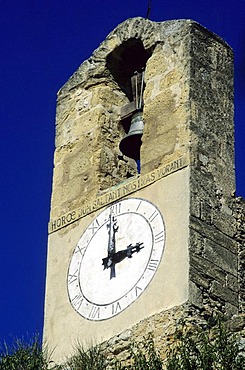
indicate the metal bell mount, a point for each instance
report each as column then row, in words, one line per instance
column 131, row 143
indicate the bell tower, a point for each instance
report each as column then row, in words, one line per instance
column 143, row 221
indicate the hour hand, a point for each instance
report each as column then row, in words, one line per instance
column 126, row 253
column 133, row 248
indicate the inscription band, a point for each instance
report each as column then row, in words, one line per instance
column 117, row 193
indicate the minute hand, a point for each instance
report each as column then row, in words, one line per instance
column 109, row 260
column 112, row 226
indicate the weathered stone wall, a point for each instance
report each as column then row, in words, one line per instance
column 214, row 257
column 88, row 128
column 166, row 111
column 87, row 156
column 240, row 237
column 188, row 110
column 163, row 328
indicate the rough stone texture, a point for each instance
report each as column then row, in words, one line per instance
column 88, row 109
column 213, row 222
column 87, row 158
column 188, row 109
column 163, row 328
column 166, row 111
column 240, row 237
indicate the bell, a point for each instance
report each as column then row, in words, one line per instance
column 130, row 144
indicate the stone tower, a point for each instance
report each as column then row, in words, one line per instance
column 189, row 260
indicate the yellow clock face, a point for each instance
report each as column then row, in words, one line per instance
column 116, row 258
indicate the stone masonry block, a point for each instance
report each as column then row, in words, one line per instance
column 208, row 269
column 232, row 282
column 198, row 278
column 220, row 256
column 195, row 205
column 195, row 295
column 224, row 293
column 224, row 221
column 157, row 64
column 77, row 126
column 106, row 97
column 196, row 242
column 214, row 234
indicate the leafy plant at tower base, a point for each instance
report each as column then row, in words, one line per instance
column 144, row 356
column 92, row 359
column 211, row 349
column 194, row 349
column 22, row 355
column 147, row 358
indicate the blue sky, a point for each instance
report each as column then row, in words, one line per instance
column 42, row 42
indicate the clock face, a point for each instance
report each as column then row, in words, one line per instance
column 116, row 258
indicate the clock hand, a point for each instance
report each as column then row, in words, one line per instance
column 109, row 260
column 128, row 252
column 121, row 255
column 132, row 249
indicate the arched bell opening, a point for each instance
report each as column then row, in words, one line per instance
column 127, row 64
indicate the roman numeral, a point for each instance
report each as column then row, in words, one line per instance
column 79, row 250
column 138, row 290
column 159, row 237
column 153, row 216
column 152, row 265
column 115, row 308
column 77, row 301
column 138, row 206
column 95, row 225
column 116, row 208
column 94, row 312
column 73, row 277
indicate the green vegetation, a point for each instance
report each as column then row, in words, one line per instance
column 93, row 359
column 24, row 355
column 144, row 357
column 194, row 349
column 210, row 349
